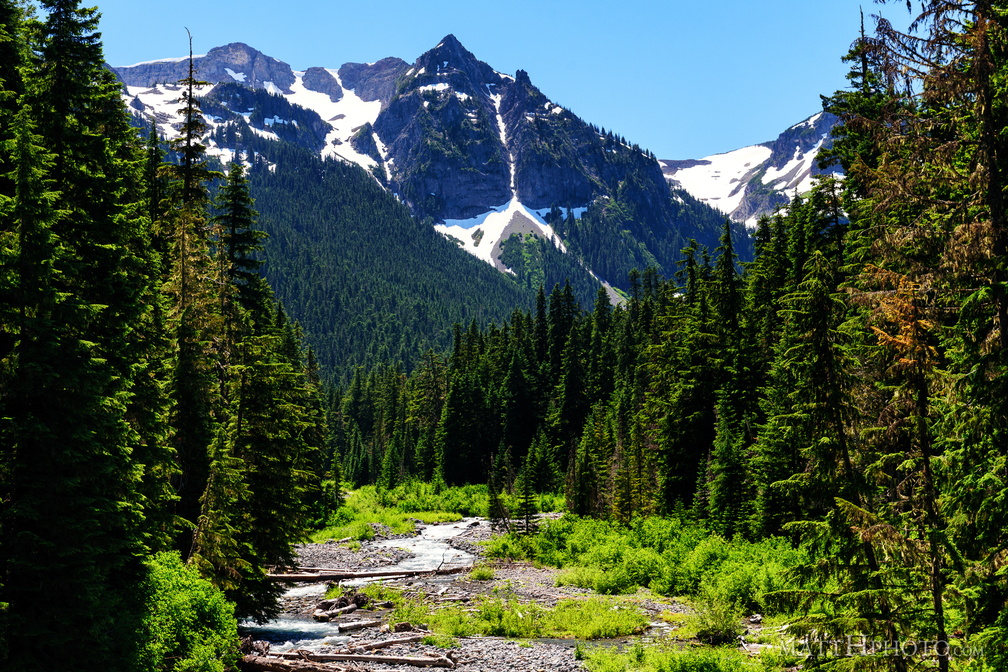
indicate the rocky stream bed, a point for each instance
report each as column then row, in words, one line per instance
column 447, row 546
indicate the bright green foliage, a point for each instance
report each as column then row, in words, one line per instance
column 593, row 618
column 667, row 659
column 667, row 555
column 397, row 507
column 188, row 625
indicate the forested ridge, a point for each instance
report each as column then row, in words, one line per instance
column 167, row 433
column 367, row 281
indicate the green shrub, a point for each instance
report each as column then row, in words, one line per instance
column 715, row 622
column 595, row 618
column 398, row 507
column 705, row 558
column 512, row 547
column 747, row 572
column 582, row 577
column 189, row 626
column 506, row 617
column 671, row 556
column 441, row 641
column 661, row 659
column 498, row 618
column 481, row 573
column 773, row 659
column 379, row 592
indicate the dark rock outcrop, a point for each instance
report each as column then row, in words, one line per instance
column 321, row 80
column 451, row 160
column 363, row 141
column 374, row 81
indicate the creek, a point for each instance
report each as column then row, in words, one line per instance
column 429, row 549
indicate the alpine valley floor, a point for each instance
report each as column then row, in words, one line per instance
column 519, row 585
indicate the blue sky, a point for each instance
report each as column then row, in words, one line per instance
column 682, row 78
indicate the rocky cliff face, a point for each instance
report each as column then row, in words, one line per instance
column 375, row 81
column 322, row 81
column 463, row 139
column 446, row 156
column 235, row 62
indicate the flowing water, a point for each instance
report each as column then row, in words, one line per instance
column 430, row 551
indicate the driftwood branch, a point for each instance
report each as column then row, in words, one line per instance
column 417, row 661
column 343, row 575
column 357, row 625
column 256, row 663
column 412, row 639
column 324, row 615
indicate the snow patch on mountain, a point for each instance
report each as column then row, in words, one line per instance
column 753, row 181
column 720, row 180
column 345, row 117
column 481, row 235
column 162, row 103
column 794, row 177
column 808, row 123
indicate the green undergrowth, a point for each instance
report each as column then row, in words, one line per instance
column 481, row 573
column 376, row 592
column 669, row 658
column 398, row 509
column 593, row 618
column 670, row 556
column 546, row 502
column 440, row 641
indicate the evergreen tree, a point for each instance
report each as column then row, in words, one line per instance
column 587, row 477
column 527, row 506
column 240, row 240
column 74, row 518
column 193, row 317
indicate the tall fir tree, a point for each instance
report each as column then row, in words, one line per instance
column 75, row 517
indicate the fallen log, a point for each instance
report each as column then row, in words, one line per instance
column 357, row 625
column 324, row 615
column 418, row 661
column 341, row 575
column 412, row 639
column 256, row 663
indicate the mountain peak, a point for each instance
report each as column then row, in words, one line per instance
column 450, row 41
column 449, row 60
column 450, row 51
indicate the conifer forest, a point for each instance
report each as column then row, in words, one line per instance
column 169, row 431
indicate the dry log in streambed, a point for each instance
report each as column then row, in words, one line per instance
column 357, row 625
column 342, row 575
column 417, row 661
column 412, row 639
column 323, row 616
column 256, row 663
